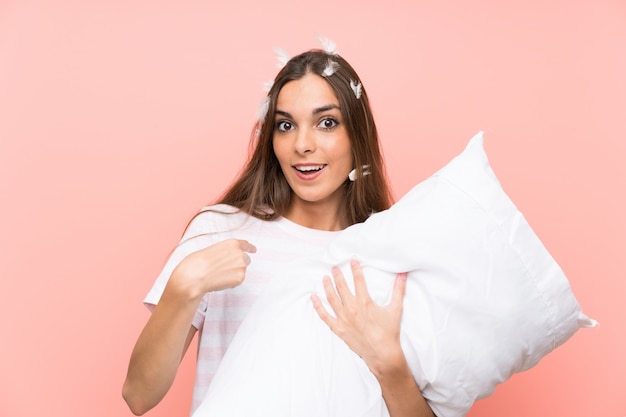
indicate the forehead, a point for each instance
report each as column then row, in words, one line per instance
column 309, row 92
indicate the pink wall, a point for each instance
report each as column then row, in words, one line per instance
column 119, row 119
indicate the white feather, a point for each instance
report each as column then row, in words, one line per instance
column 327, row 45
column 264, row 106
column 282, row 56
column 331, row 68
column 267, row 86
column 356, row 87
column 352, row 175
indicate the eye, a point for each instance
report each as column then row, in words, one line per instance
column 328, row 123
column 284, row 126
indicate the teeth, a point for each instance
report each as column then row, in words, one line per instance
column 310, row 168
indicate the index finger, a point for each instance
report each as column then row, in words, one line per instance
column 246, row 246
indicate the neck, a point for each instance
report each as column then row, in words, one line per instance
column 320, row 217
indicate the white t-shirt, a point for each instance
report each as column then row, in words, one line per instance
column 484, row 300
column 220, row 313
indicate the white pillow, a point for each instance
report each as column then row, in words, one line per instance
column 484, row 300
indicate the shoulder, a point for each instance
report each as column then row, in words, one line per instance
column 217, row 219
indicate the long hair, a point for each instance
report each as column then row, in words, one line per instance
column 261, row 189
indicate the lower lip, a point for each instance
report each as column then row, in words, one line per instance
column 308, row 176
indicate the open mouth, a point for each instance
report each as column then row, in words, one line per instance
column 308, row 172
column 309, row 168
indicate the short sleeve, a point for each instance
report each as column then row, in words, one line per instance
column 201, row 233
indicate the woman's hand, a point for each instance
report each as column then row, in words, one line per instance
column 370, row 330
column 217, row 267
column 373, row 332
column 168, row 333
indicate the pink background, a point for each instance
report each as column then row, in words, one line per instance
column 119, row 119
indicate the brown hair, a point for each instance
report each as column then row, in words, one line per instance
column 262, row 191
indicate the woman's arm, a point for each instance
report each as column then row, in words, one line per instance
column 373, row 333
column 158, row 352
column 168, row 333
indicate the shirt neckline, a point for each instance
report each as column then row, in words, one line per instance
column 298, row 229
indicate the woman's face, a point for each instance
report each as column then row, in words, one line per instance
column 311, row 143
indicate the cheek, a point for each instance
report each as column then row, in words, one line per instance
column 278, row 151
column 346, row 152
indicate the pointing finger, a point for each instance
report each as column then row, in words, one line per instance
column 247, row 246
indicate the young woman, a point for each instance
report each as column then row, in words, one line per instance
column 316, row 168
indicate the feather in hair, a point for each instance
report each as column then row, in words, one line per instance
column 267, row 86
column 352, row 176
column 264, row 107
column 356, row 87
column 327, row 45
column 331, row 68
column 282, row 56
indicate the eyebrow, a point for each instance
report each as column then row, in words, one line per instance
column 315, row 111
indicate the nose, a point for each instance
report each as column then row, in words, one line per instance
column 305, row 141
